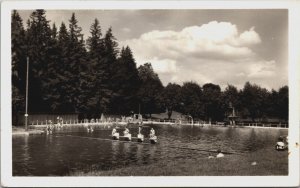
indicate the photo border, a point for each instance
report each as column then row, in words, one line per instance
column 175, row 181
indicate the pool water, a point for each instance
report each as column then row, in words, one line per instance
column 71, row 149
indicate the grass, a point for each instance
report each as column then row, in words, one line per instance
column 269, row 162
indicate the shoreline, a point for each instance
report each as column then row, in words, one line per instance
column 35, row 129
column 157, row 123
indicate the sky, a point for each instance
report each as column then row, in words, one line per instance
column 205, row 46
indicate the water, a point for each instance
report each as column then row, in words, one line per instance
column 74, row 149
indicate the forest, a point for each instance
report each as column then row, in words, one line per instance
column 68, row 74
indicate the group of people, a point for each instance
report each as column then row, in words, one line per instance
column 126, row 131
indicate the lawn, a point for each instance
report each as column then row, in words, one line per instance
column 266, row 162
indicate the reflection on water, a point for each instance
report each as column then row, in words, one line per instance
column 72, row 149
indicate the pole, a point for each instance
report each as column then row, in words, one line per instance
column 139, row 108
column 26, row 107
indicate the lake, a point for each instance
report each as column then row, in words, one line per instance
column 73, row 148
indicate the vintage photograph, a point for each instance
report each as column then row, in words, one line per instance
column 149, row 92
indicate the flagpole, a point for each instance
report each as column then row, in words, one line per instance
column 26, row 105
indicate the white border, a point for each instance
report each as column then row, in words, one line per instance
column 250, row 181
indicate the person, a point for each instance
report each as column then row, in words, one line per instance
column 280, row 145
column 140, row 129
column 113, row 131
column 49, row 127
column 220, row 154
column 126, row 131
column 152, row 133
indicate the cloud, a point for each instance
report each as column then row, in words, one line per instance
column 126, row 29
column 214, row 52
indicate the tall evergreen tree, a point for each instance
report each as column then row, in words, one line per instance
column 125, row 83
column 18, row 65
column 38, row 37
column 75, row 67
column 51, row 79
column 96, row 70
column 106, row 70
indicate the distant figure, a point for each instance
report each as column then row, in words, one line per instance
column 220, row 154
column 115, row 135
column 152, row 133
column 140, row 129
column 90, row 128
column 280, row 145
column 113, row 131
column 126, row 131
column 49, row 127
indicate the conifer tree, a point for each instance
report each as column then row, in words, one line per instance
column 52, row 77
column 75, row 67
column 18, row 65
column 38, row 37
column 106, row 70
column 126, row 83
column 95, row 44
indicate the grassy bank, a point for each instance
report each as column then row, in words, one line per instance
column 268, row 162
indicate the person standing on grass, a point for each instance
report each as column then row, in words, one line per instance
column 220, row 154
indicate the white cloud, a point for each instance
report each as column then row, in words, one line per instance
column 214, row 52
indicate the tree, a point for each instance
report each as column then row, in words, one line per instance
column 75, row 67
column 126, row 83
column 230, row 98
column 253, row 100
column 150, row 90
column 38, row 37
column 191, row 94
column 283, row 103
column 52, row 77
column 211, row 95
column 18, row 48
column 170, row 98
column 95, row 45
column 106, row 70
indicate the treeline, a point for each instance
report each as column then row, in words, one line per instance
column 70, row 75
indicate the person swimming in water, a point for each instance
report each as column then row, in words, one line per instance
column 126, row 131
column 114, row 131
column 152, row 133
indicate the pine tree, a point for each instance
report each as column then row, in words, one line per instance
column 74, row 67
column 51, row 78
column 106, row 70
column 18, row 65
column 126, row 83
column 38, row 37
column 95, row 44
